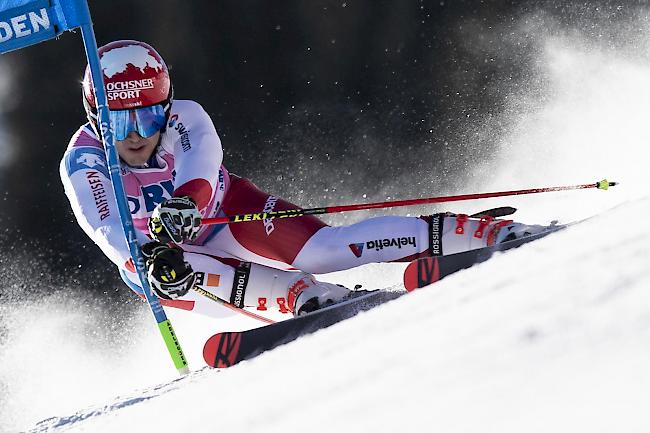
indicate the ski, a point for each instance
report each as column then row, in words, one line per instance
column 229, row 348
column 428, row 270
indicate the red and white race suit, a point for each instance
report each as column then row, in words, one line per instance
column 188, row 162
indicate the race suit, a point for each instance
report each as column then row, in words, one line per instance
column 188, row 162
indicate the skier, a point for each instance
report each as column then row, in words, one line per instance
column 171, row 166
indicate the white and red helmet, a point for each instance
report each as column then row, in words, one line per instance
column 135, row 76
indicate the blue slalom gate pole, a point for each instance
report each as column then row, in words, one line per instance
column 24, row 23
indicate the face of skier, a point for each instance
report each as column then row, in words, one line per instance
column 136, row 150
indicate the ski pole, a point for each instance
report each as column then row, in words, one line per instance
column 230, row 306
column 291, row 213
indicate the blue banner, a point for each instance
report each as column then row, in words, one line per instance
column 28, row 22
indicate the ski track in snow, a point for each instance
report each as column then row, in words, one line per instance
column 552, row 336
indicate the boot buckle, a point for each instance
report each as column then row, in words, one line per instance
column 461, row 219
column 482, row 225
column 282, row 304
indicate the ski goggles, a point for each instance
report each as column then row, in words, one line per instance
column 145, row 121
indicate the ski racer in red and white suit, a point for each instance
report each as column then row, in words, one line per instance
column 261, row 265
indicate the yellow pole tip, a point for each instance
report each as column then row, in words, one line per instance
column 605, row 184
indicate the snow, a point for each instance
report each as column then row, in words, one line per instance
column 552, row 336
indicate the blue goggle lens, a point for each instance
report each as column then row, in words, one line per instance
column 145, row 121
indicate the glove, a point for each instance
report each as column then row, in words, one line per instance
column 169, row 275
column 175, row 220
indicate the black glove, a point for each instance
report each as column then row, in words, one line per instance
column 175, row 220
column 169, row 275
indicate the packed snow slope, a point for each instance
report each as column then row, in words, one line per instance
column 553, row 336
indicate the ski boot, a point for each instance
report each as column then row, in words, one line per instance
column 514, row 231
column 296, row 293
column 311, row 295
column 453, row 233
